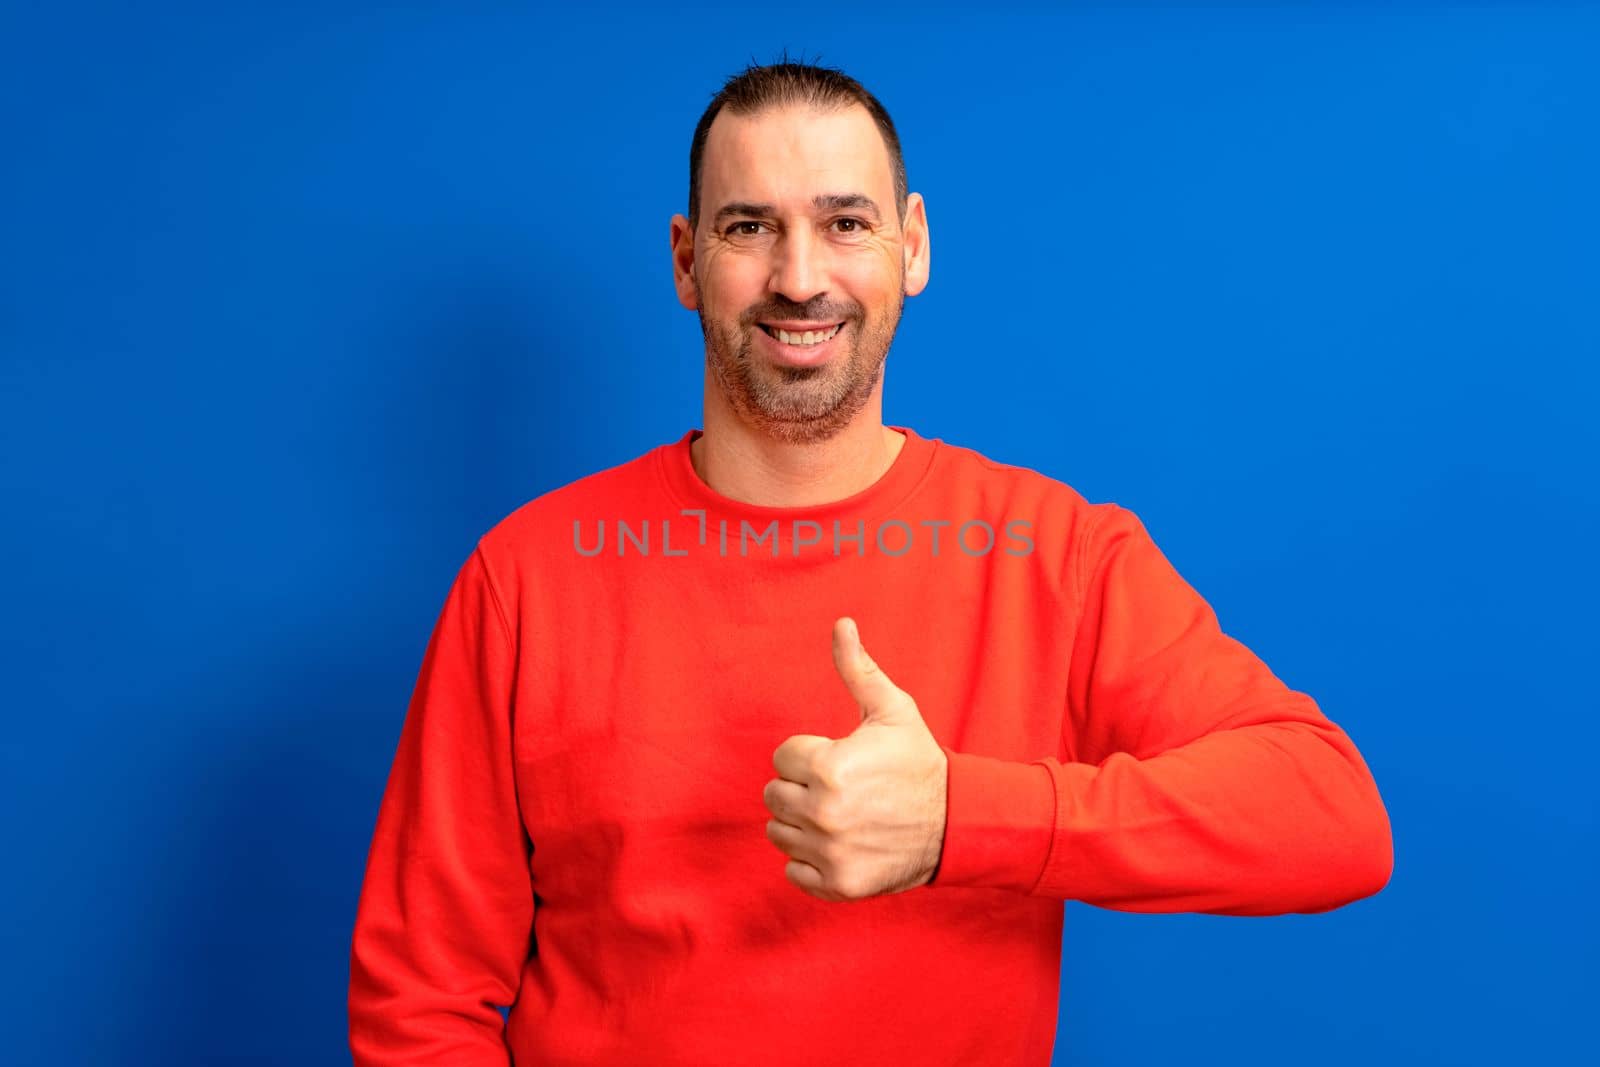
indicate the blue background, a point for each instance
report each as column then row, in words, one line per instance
column 295, row 304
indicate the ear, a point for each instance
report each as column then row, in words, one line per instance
column 915, row 245
column 683, row 263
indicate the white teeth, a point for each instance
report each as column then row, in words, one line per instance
column 809, row 337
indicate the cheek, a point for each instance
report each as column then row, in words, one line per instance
column 873, row 281
column 731, row 285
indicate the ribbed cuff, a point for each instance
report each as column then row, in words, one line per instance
column 999, row 818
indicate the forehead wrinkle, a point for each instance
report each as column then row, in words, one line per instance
column 830, row 144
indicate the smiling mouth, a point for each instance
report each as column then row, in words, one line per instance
column 801, row 338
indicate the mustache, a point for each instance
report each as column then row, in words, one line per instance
column 820, row 312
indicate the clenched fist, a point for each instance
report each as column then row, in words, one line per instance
column 863, row 815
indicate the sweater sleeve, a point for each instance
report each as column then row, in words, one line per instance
column 445, row 917
column 1196, row 779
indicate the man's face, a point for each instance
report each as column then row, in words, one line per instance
column 798, row 232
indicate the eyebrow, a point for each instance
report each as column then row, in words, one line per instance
column 822, row 202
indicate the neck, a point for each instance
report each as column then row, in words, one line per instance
column 742, row 463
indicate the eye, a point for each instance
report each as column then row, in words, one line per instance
column 736, row 231
column 856, row 225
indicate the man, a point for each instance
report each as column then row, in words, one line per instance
column 1020, row 702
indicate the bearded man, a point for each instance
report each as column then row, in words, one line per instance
column 785, row 742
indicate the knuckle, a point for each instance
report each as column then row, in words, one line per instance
column 849, row 886
column 832, row 772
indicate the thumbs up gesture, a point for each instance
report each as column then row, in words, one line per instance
column 862, row 815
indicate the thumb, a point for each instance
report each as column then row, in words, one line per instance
column 879, row 698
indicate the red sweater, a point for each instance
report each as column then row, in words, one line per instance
column 574, row 826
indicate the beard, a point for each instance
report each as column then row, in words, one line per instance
column 800, row 405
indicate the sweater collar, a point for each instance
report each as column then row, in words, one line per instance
column 910, row 468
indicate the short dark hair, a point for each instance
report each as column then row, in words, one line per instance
column 757, row 88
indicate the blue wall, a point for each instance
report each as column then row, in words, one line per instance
column 295, row 305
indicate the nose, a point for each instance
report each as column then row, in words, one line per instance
column 798, row 266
